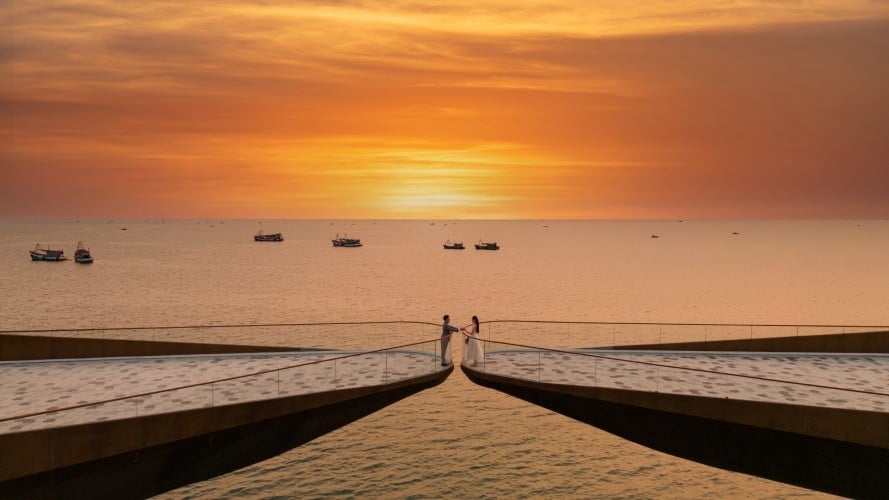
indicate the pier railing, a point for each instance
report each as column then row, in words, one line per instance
column 302, row 373
column 338, row 335
column 576, row 334
column 370, row 334
column 796, row 378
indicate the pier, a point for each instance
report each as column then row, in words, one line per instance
column 134, row 426
column 133, row 412
column 818, row 420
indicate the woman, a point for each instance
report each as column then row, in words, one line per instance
column 473, row 353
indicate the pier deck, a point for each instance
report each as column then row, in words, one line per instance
column 768, row 377
column 35, row 386
column 812, row 419
column 135, row 427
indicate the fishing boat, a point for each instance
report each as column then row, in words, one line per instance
column 82, row 254
column 484, row 245
column 343, row 241
column 457, row 245
column 46, row 254
column 259, row 236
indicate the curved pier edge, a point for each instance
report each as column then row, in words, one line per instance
column 148, row 471
column 836, row 467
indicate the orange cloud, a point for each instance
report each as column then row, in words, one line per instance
column 408, row 109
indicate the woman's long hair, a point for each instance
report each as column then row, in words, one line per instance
column 475, row 322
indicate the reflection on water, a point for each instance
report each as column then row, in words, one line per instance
column 456, row 439
column 462, row 440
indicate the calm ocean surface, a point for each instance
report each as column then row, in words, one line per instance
column 456, row 439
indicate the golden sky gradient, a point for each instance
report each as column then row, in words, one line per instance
column 424, row 109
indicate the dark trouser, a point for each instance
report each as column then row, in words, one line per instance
column 444, row 348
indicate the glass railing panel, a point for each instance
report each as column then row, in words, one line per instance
column 590, row 335
column 682, row 333
column 169, row 390
column 726, row 332
column 835, row 381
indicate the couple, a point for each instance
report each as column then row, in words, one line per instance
column 473, row 352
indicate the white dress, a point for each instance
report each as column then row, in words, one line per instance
column 474, row 352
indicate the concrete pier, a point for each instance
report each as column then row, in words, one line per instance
column 163, row 438
column 816, row 420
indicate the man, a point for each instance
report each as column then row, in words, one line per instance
column 446, row 331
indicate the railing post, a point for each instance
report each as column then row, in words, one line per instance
column 538, row 366
column 386, row 368
column 278, row 373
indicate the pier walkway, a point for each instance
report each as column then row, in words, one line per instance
column 65, row 392
column 847, row 381
column 135, row 426
column 815, row 419
column 84, row 412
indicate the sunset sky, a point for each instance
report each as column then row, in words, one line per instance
column 428, row 109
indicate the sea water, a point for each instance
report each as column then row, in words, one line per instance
column 456, row 439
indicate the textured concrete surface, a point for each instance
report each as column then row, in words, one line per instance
column 621, row 370
column 30, row 387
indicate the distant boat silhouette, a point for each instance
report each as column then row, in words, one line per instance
column 82, row 255
column 259, row 236
column 48, row 255
column 343, row 241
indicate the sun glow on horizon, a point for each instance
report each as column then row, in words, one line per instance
column 413, row 179
column 500, row 110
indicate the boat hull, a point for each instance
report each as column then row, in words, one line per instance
column 47, row 258
column 82, row 255
column 487, row 246
column 268, row 237
column 346, row 242
column 46, row 254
